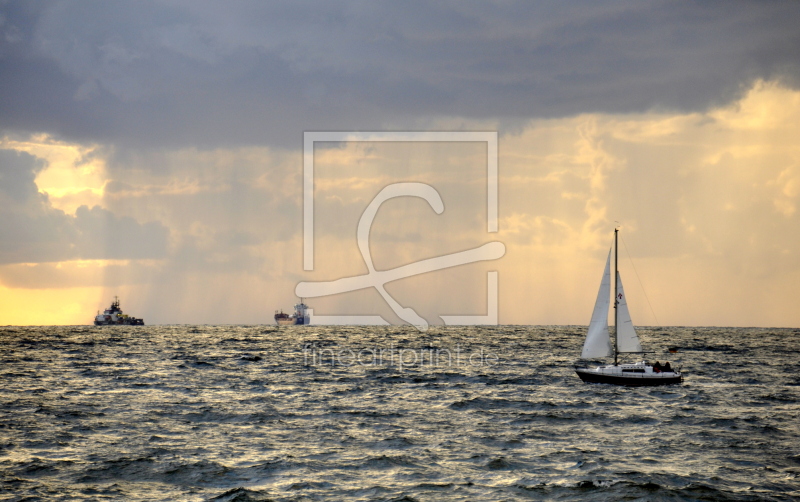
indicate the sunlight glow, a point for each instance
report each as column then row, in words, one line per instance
column 74, row 175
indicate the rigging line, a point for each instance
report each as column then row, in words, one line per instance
column 640, row 283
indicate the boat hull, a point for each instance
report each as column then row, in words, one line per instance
column 291, row 321
column 590, row 376
column 127, row 322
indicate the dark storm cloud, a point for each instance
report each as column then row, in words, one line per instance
column 177, row 73
column 31, row 230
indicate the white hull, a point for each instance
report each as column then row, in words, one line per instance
column 634, row 375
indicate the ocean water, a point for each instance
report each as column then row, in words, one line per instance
column 237, row 413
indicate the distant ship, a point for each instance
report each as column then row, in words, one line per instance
column 114, row 316
column 300, row 315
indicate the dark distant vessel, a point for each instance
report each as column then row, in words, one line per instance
column 300, row 315
column 114, row 316
column 598, row 340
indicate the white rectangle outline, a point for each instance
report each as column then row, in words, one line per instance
column 309, row 137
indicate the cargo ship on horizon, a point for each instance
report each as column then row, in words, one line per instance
column 299, row 317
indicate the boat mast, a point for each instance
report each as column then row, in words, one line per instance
column 616, row 298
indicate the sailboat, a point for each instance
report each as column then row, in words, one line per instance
column 598, row 340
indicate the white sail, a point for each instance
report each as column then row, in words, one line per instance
column 627, row 340
column 598, row 342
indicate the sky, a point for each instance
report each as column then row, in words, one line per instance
column 154, row 151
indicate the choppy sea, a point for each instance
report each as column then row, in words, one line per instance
column 239, row 413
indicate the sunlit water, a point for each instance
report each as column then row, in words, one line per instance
column 346, row 413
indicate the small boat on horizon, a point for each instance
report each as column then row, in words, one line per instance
column 114, row 316
column 300, row 316
column 598, row 340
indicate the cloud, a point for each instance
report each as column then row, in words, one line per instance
column 186, row 118
column 707, row 203
column 18, row 171
column 104, row 235
column 693, row 184
column 79, row 274
column 32, row 231
column 183, row 73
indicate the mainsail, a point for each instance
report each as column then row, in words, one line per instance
column 598, row 342
column 627, row 341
